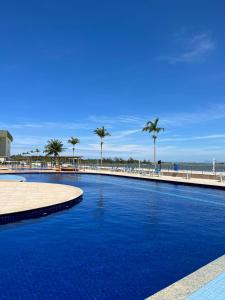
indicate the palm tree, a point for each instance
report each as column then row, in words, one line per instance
column 73, row 141
column 152, row 127
column 37, row 151
column 31, row 152
column 102, row 133
column 54, row 147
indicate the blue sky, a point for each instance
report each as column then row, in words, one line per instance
column 67, row 67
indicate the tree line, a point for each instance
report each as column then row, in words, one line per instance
column 54, row 146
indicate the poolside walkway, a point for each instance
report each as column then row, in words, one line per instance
column 207, row 283
column 219, row 182
column 189, row 181
column 15, row 171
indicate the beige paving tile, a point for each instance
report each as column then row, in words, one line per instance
column 23, row 196
column 183, row 288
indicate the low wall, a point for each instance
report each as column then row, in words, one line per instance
column 191, row 175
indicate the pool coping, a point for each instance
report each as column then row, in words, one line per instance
column 161, row 178
column 23, row 200
column 193, row 282
column 208, row 183
column 38, row 212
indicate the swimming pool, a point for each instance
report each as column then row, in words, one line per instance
column 126, row 239
column 11, row 177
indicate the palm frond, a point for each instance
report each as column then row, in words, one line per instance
column 54, row 147
column 73, row 141
column 152, row 127
column 102, row 132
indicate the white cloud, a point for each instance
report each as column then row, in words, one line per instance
column 193, row 49
column 45, row 125
column 128, row 140
column 120, row 119
column 124, row 133
column 213, row 113
column 194, row 138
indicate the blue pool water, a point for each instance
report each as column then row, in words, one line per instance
column 126, row 239
column 11, row 177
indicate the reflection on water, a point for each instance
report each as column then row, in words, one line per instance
column 100, row 205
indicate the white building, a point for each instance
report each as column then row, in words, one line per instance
column 5, row 144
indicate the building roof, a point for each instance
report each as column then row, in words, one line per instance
column 5, row 133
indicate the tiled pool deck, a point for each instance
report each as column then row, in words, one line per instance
column 180, row 180
column 24, row 198
column 207, row 283
column 215, row 289
column 216, row 183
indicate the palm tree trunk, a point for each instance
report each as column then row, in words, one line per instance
column 101, row 151
column 73, row 160
column 56, row 160
column 154, row 152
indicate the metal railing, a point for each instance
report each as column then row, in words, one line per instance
column 185, row 170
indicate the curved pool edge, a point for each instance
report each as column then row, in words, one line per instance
column 11, row 178
column 204, row 183
column 41, row 193
column 161, row 179
column 38, row 212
